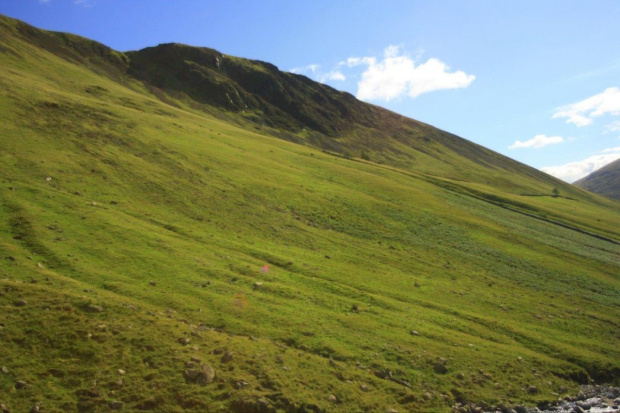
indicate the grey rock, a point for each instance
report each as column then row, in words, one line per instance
column 240, row 384
column 91, row 308
column 35, row 408
column 116, row 405
column 532, row 389
column 184, row 340
column 20, row 384
column 227, row 357
column 202, row 376
column 20, row 303
column 440, row 368
column 414, row 333
column 4, row 370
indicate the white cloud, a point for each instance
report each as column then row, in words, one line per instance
column 397, row 74
column 537, row 141
column 310, row 68
column 573, row 171
column 581, row 113
column 44, row 1
column 357, row 61
column 612, row 127
column 333, row 75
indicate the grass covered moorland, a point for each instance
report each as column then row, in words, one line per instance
column 409, row 272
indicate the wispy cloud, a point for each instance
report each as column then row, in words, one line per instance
column 573, row 171
column 581, row 113
column 397, row 75
column 84, row 3
column 537, row 141
column 335, row 75
column 44, row 1
column 305, row 69
column 612, row 127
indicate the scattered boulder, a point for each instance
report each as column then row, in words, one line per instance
column 20, row 303
column 4, row 370
column 184, row 340
column 153, row 284
column 40, row 266
column 532, row 389
column 121, row 372
column 227, row 357
column 240, row 384
column 251, row 406
column 363, row 387
column 35, row 408
column 414, row 333
column 202, row 376
column 20, row 384
column 257, row 285
column 383, row 374
column 91, row 308
column 116, row 405
column 328, row 257
column 440, row 368
column 332, row 398
column 4, row 408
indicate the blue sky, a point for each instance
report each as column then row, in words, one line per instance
column 538, row 81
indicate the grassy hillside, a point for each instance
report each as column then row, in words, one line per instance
column 604, row 181
column 133, row 233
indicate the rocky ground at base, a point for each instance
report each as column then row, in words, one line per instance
column 591, row 398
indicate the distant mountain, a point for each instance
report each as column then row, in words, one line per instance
column 604, row 181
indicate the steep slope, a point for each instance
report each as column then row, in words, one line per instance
column 306, row 111
column 133, row 233
column 604, row 181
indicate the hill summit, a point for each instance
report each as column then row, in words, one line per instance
column 604, row 181
column 182, row 230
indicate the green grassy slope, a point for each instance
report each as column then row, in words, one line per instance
column 107, row 190
column 604, row 181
